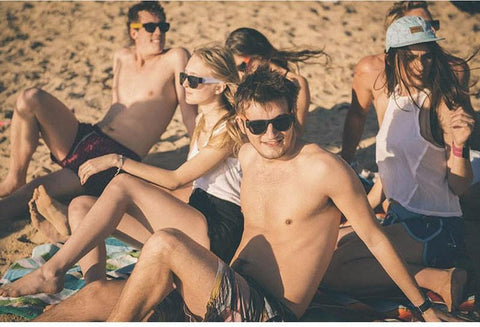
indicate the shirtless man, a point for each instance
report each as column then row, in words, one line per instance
column 292, row 210
column 145, row 93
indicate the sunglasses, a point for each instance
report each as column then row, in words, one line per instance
column 435, row 24
column 193, row 81
column 243, row 67
column 151, row 27
column 281, row 123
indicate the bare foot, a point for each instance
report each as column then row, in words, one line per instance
column 52, row 210
column 452, row 293
column 33, row 283
column 47, row 232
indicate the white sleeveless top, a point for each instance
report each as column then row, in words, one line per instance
column 224, row 180
column 413, row 171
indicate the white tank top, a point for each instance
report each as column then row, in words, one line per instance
column 224, row 180
column 413, row 171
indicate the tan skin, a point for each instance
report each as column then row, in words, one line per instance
column 131, row 208
column 281, row 229
column 145, row 94
column 351, row 257
column 303, row 99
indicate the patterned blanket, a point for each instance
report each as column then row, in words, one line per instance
column 326, row 305
column 120, row 261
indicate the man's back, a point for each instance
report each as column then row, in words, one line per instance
column 290, row 223
column 144, row 97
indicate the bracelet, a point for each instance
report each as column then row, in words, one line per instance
column 463, row 152
column 119, row 168
column 425, row 305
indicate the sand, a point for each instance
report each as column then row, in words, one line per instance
column 66, row 48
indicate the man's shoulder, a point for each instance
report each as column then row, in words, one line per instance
column 313, row 155
column 371, row 64
column 177, row 53
column 124, row 53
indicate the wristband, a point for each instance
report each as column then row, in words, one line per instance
column 119, row 168
column 461, row 152
column 425, row 305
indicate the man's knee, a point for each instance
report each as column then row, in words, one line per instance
column 78, row 208
column 28, row 100
column 164, row 242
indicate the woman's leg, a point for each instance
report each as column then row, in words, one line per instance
column 160, row 209
column 354, row 270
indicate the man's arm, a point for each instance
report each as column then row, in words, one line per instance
column 362, row 99
column 116, row 68
column 189, row 112
column 350, row 199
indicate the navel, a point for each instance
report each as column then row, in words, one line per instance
column 288, row 222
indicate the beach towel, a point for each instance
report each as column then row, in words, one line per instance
column 329, row 305
column 120, row 261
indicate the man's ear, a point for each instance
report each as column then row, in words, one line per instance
column 133, row 33
column 240, row 125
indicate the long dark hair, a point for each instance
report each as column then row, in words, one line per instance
column 442, row 81
column 250, row 42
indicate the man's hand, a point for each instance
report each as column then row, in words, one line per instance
column 96, row 165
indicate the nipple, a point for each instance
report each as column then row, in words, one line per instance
column 288, row 222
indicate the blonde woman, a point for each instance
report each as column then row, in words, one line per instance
column 135, row 204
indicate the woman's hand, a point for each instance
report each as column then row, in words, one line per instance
column 461, row 126
column 96, row 165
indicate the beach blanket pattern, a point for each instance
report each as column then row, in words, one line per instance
column 120, row 261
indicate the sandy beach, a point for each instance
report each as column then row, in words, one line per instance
column 66, row 48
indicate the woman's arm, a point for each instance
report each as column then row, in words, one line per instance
column 207, row 159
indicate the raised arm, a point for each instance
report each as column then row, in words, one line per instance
column 350, row 199
column 457, row 129
column 364, row 77
column 189, row 112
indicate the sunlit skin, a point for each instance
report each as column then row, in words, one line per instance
column 272, row 144
column 149, row 44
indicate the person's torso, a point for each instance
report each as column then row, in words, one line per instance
column 413, row 171
column 224, row 180
column 146, row 101
column 290, row 230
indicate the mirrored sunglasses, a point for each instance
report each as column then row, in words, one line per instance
column 194, row 81
column 281, row 123
column 151, row 27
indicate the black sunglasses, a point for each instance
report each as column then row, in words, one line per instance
column 151, row 27
column 435, row 24
column 281, row 123
column 193, row 81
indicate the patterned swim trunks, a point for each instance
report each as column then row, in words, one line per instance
column 90, row 142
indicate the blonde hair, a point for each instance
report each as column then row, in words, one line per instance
column 399, row 8
column 222, row 65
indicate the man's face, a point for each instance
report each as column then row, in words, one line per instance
column 148, row 43
column 272, row 143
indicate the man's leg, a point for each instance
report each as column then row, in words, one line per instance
column 36, row 112
column 61, row 183
column 94, row 302
column 354, row 270
column 168, row 257
column 162, row 209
